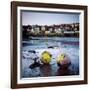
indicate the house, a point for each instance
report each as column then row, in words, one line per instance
column 58, row 30
column 47, row 32
column 69, row 32
column 42, row 28
column 32, row 31
column 36, row 29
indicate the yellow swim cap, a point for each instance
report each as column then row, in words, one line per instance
column 60, row 57
column 46, row 57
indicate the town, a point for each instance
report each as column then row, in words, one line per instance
column 61, row 30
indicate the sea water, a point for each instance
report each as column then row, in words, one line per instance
column 54, row 45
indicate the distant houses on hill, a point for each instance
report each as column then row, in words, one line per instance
column 52, row 30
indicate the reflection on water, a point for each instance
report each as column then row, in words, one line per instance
column 32, row 50
column 45, row 70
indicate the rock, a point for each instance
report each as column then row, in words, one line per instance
column 32, row 51
column 50, row 47
column 34, row 65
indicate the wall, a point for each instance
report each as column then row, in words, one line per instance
column 5, row 44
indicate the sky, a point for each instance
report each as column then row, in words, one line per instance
column 43, row 18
